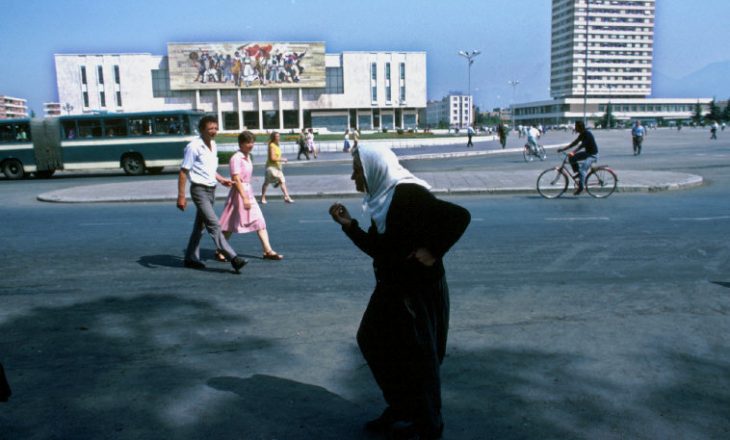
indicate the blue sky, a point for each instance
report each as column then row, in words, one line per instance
column 513, row 35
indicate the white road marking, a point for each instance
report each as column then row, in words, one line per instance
column 316, row 221
column 699, row 219
column 577, row 219
column 105, row 224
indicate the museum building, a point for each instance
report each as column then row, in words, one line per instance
column 261, row 86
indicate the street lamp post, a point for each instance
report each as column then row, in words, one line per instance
column 68, row 107
column 469, row 55
column 585, row 68
column 514, row 83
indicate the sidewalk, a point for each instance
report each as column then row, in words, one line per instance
column 340, row 185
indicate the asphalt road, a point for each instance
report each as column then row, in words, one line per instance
column 571, row 318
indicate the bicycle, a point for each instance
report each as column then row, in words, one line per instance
column 601, row 181
column 530, row 153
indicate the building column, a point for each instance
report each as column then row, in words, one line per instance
column 218, row 108
column 197, row 99
column 301, row 109
column 261, row 112
column 281, row 112
column 238, row 107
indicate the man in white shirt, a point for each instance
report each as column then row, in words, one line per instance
column 532, row 135
column 200, row 165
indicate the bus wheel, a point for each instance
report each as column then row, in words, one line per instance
column 133, row 165
column 45, row 174
column 13, row 169
column 154, row 170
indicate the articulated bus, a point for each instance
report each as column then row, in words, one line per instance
column 136, row 142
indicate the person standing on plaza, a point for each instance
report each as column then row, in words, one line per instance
column 200, row 165
column 311, row 146
column 588, row 156
column 302, row 143
column 274, row 169
column 637, row 135
column 713, row 130
column 469, row 134
column 242, row 214
column 502, row 132
column 404, row 329
column 346, row 146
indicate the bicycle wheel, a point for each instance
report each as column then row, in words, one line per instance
column 527, row 154
column 601, row 182
column 552, row 183
column 541, row 152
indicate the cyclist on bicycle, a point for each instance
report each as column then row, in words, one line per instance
column 589, row 156
column 532, row 135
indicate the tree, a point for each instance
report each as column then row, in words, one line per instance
column 32, row 113
column 726, row 112
column 608, row 120
column 715, row 114
column 697, row 116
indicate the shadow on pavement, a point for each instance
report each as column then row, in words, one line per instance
column 721, row 283
column 162, row 260
column 273, row 407
column 118, row 368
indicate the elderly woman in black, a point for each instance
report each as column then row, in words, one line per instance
column 403, row 331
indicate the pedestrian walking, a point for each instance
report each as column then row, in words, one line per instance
column 302, row 143
column 355, row 138
column 275, row 169
column 637, row 137
column 404, row 329
column 469, row 134
column 242, row 214
column 200, row 165
column 713, row 130
column 311, row 146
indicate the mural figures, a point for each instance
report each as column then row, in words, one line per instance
column 253, row 64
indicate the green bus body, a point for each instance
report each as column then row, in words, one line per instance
column 137, row 142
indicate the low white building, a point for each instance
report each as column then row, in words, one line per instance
column 11, row 107
column 52, row 109
column 569, row 110
column 364, row 90
column 454, row 110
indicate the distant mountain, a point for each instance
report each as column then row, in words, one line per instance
column 712, row 80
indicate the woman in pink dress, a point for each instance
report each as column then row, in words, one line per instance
column 242, row 213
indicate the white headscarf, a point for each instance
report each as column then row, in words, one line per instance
column 382, row 173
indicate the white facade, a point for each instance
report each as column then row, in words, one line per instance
column 11, row 107
column 453, row 110
column 367, row 90
column 568, row 110
column 620, row 39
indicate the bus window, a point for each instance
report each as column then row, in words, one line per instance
column 69, row 129
column 22, row 132
column 115, row 127
column 140, row 126
column 167, row 125
column 89, row 128
column 194, row 120
column 185, row 125
column 7, row 133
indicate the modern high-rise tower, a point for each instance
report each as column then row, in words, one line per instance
column 619, row 36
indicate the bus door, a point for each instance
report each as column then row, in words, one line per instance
column 47, row 144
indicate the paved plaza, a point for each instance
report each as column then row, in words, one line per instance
column 573, row 318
